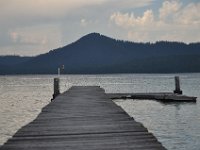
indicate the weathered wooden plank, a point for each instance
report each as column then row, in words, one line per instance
column 83, row 118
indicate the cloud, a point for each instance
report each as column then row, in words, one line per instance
column 48, row 8
column 14, row 36
column 87, row 23
column 189, row 15
column 32, row 40
column 83, row 22
column 174, row 22
column 138, row 36
column 169, row 8
column 126, row 4
column 23, row 13
column 57, row 9
column 129, row 20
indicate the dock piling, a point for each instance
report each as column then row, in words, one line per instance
column 177, row 86
column 56, row 87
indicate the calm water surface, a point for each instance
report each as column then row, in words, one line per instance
column 176, row 125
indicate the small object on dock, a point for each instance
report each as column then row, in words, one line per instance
column 177, row 85
column 56, row 87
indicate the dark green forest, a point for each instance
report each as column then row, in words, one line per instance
column 98, row 54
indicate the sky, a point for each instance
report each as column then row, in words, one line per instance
column 32, row 27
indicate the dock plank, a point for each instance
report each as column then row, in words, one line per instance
column 83, row 118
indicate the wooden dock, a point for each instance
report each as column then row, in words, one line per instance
column 83, row 118
column 162, row 96
column 176, row 96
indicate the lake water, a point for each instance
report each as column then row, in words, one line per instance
column 176, row 125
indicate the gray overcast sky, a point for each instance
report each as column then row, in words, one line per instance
column 31, row 27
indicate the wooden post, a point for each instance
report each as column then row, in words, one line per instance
column 177, row 85
column 56, row 87
column 58, row 72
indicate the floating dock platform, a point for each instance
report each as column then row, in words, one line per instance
column 163, row 97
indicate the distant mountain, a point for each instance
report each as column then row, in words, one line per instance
column 13, row 60
column 95, row 53
column 7, row 63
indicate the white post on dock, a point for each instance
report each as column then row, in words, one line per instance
column 177, row 86
column 56, row 87
column 58, row 72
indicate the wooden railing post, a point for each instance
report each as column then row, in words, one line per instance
column 177, row 85
column 56, row 87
